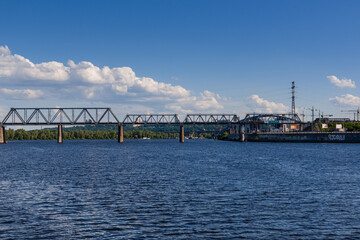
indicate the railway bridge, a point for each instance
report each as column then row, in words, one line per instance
column 104, row 116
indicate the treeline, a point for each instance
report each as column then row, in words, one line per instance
column 46, row 134
column 223, row 136
column 349, row 126
column 153, row 128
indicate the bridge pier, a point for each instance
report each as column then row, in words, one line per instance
column 60, row 134
column 242, row 133
column 121, row 133
column 2, row 134
column 181, row 134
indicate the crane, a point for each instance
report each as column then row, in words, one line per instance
column 312, row 116
column 303, row 116
column 312, row 112
column 356, row 112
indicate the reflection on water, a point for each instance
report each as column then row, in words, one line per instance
column 164, row 189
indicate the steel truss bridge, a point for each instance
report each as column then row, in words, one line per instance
column 105, row 116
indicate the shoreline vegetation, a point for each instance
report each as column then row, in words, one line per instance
column 111, row 132
column 47, row 134
column 349, row 126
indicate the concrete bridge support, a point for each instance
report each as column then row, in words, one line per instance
column 60, row 134
column 121, row 133
column 2, row 134
column 181, row 134
column 242, row 133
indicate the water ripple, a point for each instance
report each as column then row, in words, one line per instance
column 163, row 189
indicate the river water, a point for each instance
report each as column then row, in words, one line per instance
column 147, row 189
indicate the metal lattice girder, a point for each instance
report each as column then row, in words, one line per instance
column 271, row 118
column 54, row 116
column 211, row 119
column 151, row 119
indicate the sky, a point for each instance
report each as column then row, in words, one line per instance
column 181, row 56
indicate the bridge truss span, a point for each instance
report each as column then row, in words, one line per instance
column 211, row 119
column 135, row 119
column 55, row 116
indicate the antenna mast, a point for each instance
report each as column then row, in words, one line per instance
column 293, row 98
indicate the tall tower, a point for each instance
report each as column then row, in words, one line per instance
column 293, row 98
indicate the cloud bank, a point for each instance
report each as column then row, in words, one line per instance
column 346, row 100
column 86, row 81
column 343, row 83
column 261, row 105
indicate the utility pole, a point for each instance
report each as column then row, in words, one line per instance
column 293, row 98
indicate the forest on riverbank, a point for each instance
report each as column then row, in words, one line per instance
column 47, row 134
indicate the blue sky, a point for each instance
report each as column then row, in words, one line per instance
column 180, row 56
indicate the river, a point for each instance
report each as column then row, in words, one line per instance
column 147, row 189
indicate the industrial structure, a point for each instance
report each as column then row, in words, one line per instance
column 293, row 98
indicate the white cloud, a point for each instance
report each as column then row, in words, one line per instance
column 16, row 67
column 261, row 105
column 4, row 50
column 346, row 100
column 343, row 83
column 206, row 101
column 21, row 93
column 85, row 81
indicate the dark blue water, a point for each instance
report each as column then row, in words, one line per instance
column 205, row 189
